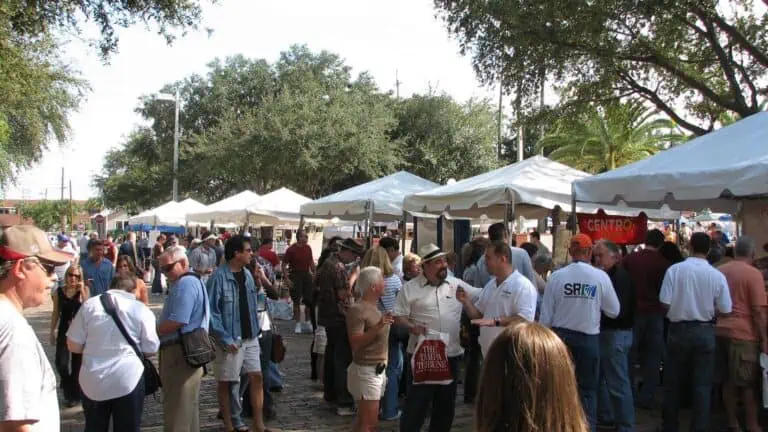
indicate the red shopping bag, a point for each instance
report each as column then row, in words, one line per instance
column 430, row 360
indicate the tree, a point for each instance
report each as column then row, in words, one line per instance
column 443, row 139
column 37, row 95
column 31, row 19
column 693, row 60
column 603, row 138
column 38, row 91
column 47, row 215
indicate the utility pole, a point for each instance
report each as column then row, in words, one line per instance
column 71, row 211
column 397, row 83
column 176, row 151
column 501, row 100
column 62, row 183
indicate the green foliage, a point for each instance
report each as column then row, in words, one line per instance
column 303, row 122
column 602, row 138
column 443, row 139
column 693, row 60
column 32, row 19
column 47, row 215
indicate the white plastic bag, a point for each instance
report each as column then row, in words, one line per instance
column 764, row 365
column 429, row 363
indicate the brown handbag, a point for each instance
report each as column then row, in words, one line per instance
column 278, row 347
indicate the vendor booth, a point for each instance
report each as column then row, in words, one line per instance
column 222, row 212
column 169, row 217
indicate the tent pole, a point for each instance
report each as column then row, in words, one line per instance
column 738, row 218
column 301, row 223
column 574, row 219
column 506, row 216
column 404, row 232
column 369, row 242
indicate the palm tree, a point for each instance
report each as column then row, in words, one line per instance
column 609, row 136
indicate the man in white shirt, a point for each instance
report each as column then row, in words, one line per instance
column 28, row 400
column 508, row 294
column 428, row 303
column 695, row 292
column 573, row 299
column 393, row 251
column 520, row 258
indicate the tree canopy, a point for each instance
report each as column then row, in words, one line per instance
column 602, row 138
column 303, row 122
column 693, row 60
column 38, row 91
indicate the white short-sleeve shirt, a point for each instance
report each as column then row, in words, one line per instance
column 27, row 382
column 516, row 295
column 110, row 367
column 692, row 289
column 574, row 297
column 434, row 307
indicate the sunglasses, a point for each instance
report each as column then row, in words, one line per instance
column 168, row 267
column 48, row 268
column 75, row 275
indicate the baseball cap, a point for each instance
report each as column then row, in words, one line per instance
column 62, row 238
column 25, row 241
column 582, row 240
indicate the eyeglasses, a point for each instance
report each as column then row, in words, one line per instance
column 168, row 267
column 48, row 268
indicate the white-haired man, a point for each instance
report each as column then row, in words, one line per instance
column 185, row 310
column 368, row 331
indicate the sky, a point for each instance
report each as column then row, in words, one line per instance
column 378, row 37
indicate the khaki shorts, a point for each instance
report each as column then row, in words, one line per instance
column 736, row 361
column 364, row 383
column 229, row 366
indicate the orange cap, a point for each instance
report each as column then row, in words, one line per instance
column 582, row 240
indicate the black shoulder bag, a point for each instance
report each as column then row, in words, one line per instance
column 152, row 381
column 196, row 346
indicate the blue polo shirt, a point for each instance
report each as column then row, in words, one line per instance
column 101, row 273
column 187, row 303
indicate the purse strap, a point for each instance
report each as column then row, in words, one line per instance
column 109, row 306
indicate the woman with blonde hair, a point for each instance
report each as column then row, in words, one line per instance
column 377, row 257
column 529, row 384
column 67, row 300
column 125, row 265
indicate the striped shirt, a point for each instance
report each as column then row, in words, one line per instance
column 392, row 285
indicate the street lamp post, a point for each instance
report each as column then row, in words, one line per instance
column 175, row 99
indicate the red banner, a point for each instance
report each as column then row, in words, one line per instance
column 618, row 229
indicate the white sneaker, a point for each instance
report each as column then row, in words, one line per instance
column 297, row 330
column 306, row 327
column 345, row 411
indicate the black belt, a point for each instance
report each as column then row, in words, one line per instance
column 695, row 322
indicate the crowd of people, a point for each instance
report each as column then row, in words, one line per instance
column 528, row 342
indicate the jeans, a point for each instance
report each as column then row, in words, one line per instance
column 615, row 402
column 125, row 412
column 585, row 350
column 68, row 367
column 339, row 354
column 648, row 349
column 690, row 347
column 272, row 377
column 389, row 404
column 441, row 398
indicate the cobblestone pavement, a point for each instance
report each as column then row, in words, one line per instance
column 300, row 406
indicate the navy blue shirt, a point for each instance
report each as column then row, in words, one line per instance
column 100, row 273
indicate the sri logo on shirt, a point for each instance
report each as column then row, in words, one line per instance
column 580, row 290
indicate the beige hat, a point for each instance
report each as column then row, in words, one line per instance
column 210, row 237
column 429, row 252
column 25, row 241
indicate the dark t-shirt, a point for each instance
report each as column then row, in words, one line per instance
column 646, row 269
column 299, row 257
column 245, row 314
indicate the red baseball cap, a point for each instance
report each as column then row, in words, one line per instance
column 25, row 241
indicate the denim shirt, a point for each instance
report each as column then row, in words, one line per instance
column 225, row 305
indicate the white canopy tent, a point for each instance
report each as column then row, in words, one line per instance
column 381, row 198
column 171, row 213
column 531, row 188
column 707, row 172
column 279, row 206
column 222, row 212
